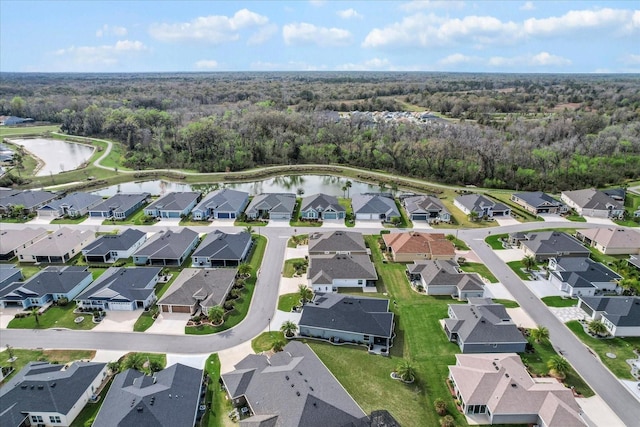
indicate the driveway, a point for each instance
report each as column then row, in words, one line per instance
column 231, row 356
column 222, row 223
column 417, row 225
column 508, row 255
column 169, row 323
column 334, row 223
column 553, row 218
column 543, row 288
column 168, row 222
column 93, row 221
column 521, row 318
column 7, row 315
column 566, row 314
column 278, row 223
column 118, row 321
column 289, row 285
column 497, row 291
column 593, row 220
column 506, row 221
column 368, row 224
column 299, row 252
column 38, row 220
column 599, row 412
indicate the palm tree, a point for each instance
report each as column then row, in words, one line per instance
column 289, row 328
column 133, row 361
column 441, row 406
column 348, row 184
column 216, row 314
column 597, row 327
column 344, row 191
column 248, row 229
column 278, row 344
column 540, row 334
column 559, row 366
column 473, row 216
column 114, row 367
column 306, row 294
column 244, row 270
column 529, row 262
column 36, row 315
column 406, row 371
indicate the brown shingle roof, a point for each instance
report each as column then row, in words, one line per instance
column 419, row 243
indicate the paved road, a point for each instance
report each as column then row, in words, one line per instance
column 588, row 366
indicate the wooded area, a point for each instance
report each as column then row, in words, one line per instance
column 527, row 132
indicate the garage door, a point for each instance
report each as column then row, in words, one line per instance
column 419, row 217
column 223, row 215
column 364, row 216
column 181, row 309
column 330, row 215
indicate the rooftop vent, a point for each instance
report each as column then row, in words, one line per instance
column 53, row 384
column 40, row 386
column 297, row 393
column 287, row 377
column 23, row 386
column 139, row 409
column 514, row 385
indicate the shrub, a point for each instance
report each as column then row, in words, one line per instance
column 447, row 421
column 440, row 406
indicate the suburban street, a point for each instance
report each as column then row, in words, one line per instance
column 265, row 301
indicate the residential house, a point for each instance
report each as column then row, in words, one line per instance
column 611, row 240
column 593, row 203
column 30, row 200
column 14, row 120
column 327, row 273
column 337, row 242
column 121, row 289
column 46, row 287
column 171, row 397
column 426, row 208
column 321, row 206
column 481, row 205
column 9, row 273
column 538, row 202
column 618, row 194
column 620, row 315
column 13, row 240
column 342, row 318
column 582, row 276
column 482, row 326
column 634, row 261
column 497, row 389
column 119, row 206
column 220, row 249
column 272, row 206
column 197, row 289
column 73, row 205
column 167, row 248
column 173, row 205
column 444, row 277
column 414, row 245
column 45, row 394
column 550, row 244
column 112, row 247
column 224, row 203
column 375, row 206
column 290, row 388
column 57, row 247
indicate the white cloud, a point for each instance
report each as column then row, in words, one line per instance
column 630, row 59
column 414, row 5
column 287, row 66
column 206, row 64
column 580, row 20
column 306, row 34
column 107, row 30
column 458, row 59
column 318, row 3
column 432, row 30
column 214, row 29
column 349, row 14
column 528, row 6
column 263, row 34
column 375, row 64
column 542, row 59
column 106, row 55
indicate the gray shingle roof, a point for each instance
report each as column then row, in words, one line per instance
column 59, row 242
column 175, row 201
column 552, row 243
column 444, row 273
column 475, row 202
column 9, row 273
column 423, row 204
column 168, row 244
column 294, row 386
column 43, row 387
column 171, row 398
column 209, row 286
column 77, row 201
column 219, row 245
column 374, row 204
column 538, row 199
column 590, row 198
column 586, row 268
column 121, row 202
column 28, row 198
column 51, row 280
column 483, row 322
column 339, row 312
column 223, row 200
column 273, row 202
column 114, row 242
column 320, row 202
column 337, row 241
column 122, row 284
column 621, row 311
column 14, row 239
column 325, row 268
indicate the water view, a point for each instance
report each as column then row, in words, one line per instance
column 310, row 184
column 55, row 156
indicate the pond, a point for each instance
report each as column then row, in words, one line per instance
column 310, row 184
column 56, row 156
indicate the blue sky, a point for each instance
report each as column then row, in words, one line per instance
column 470, row 36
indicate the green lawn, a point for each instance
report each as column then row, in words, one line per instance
column 346, row 203
column 558, row 301
column 598, row 256
column 76, row 220
column 136, row 218
column 216, row 398
column 459, row 244
column 481, row 269
column 517, row 268
column 576, row 218
column 144, row 322
column 53, row 356
column 264, row 341
column 244, row 301
column 621, row 347
column 287, row 301
column 495, row 241
column 289, row 266
column 239, row 223
column 7, row 132
column 28, row 270
column 537, row 364
column 507, row 303
column 90, row 411
column 296, row 240
column 55, row 317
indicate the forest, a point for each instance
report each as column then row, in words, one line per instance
column 521, row 131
